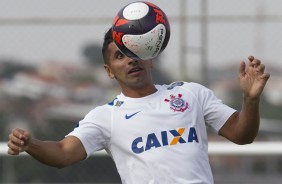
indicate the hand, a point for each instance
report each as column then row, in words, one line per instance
column 19, row 141
column 252, row 79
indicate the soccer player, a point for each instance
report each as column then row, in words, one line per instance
column 154, row 133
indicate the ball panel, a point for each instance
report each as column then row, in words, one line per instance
column 115, row 19
column 148, row 45
column 131, row 27
column 151, row 4
column 117, row 37
column 121, row 22
column 135, row 11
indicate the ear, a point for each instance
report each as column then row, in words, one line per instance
column 109, row 71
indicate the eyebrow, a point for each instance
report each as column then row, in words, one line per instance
column 117, row 52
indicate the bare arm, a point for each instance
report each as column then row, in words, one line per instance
column 57, row 154
column 242, row 127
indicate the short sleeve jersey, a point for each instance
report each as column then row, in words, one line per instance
column 157, row 139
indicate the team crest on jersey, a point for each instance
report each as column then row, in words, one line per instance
column 177, row 103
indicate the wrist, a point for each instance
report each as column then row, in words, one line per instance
column 251, row 99
column 29, row 145
column 250, row 103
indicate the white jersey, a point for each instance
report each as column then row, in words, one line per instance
column 157, row 139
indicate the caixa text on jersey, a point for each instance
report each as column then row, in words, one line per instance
column 166, row 138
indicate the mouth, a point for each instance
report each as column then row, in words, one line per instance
column 135, row 70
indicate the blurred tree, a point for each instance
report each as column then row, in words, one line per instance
column 93, row 54
column 8, row 68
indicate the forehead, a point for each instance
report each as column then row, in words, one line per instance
column 112, row 48
column 110, row 52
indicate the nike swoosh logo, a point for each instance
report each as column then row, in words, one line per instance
column 131, row 115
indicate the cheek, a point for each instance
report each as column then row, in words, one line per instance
column 118, row 68
column 118, row 72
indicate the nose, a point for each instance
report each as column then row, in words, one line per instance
column 133, row 61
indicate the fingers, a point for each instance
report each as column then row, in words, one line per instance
column 18, row 141
column 17, row 136
column 253, row 61
column 242, row 68
column 251, row 58
column 255, row 68
column 265, row 76
column 13, row 150
column 259, row 68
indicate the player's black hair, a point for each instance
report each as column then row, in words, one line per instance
column 107, row 40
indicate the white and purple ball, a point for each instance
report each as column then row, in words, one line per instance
column 141, row 30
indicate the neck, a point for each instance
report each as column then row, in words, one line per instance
column 139, row 92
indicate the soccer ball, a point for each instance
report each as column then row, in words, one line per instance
column 141, row 30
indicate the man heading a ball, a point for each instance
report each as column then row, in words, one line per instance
column 154, row 133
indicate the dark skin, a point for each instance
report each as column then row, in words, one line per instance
column 242, row 127
column 136, row 81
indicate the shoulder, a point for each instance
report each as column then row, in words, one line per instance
column 100, row 112
column 190, row 86
column 194, row 90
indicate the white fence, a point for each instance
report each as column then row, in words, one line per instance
column 215, row 148
column 256, row 163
